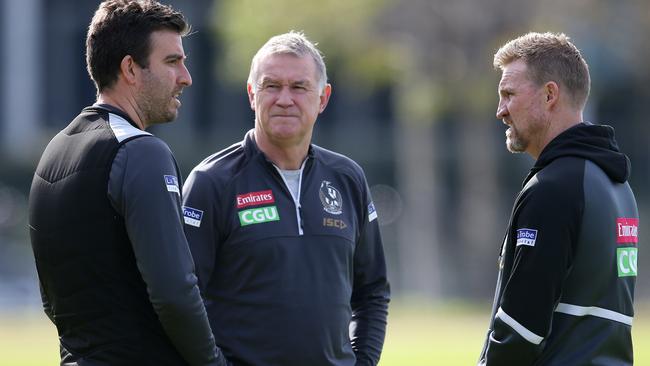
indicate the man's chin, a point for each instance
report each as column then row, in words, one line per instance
column 286, row 131
column 514, row 151
column 170, row 117
column 514, row 146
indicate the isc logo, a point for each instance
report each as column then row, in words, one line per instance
column 258, row 215
column 337, row 223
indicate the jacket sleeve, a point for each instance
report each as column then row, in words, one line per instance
column 544, row 231
column 47, row 307
column 371, row 291
column 199, row 204
column 144, row 188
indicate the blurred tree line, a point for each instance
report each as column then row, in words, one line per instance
column 414, row 99
column 444, row 153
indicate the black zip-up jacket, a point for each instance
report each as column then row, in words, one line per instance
column 106, row 228
column 284, row 280
column 568, row 263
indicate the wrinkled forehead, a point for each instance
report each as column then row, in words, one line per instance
column 514, row 73
column 287, row 66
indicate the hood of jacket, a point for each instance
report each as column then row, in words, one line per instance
column 592, row 142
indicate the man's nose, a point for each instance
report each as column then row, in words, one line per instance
column 185, row 78
column 502, row 110
column 285, row 97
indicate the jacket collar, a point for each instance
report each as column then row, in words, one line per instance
column 114, row 110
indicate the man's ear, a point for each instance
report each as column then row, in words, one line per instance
column 552, row 93
column 251, row 95
column 128, row 69
column 325, row 97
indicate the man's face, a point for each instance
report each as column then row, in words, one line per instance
column 163, row 80
column 287, row 99
column 521, row 108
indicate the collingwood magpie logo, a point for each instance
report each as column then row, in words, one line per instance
column 331, row 198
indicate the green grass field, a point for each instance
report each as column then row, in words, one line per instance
column 418, row 335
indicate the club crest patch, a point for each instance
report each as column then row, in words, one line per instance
column 526, row 237
column 172, row 184
column 331, row 198
column 192, row 216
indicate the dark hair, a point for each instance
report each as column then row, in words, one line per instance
column 123, row 27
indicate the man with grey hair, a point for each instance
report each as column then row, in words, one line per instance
column 284, row 233
column 568, row 262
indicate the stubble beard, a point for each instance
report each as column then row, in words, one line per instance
column 514, row 143
column 155, row 102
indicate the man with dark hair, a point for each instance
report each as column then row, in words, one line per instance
column 568, row 262
column 117, row 278
column 284, row 233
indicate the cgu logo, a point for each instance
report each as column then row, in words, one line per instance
column 258, row 215
column 626, row 259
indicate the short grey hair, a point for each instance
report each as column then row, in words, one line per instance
column 291, row 43
column 549, row 57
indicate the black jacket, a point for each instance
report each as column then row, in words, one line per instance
column 568, row 263
column 115, row 271
column 284, row 280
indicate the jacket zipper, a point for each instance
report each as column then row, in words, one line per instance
column 296, row 200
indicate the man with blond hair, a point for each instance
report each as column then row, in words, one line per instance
column 568, row 262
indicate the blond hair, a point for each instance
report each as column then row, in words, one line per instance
column 549, row 57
